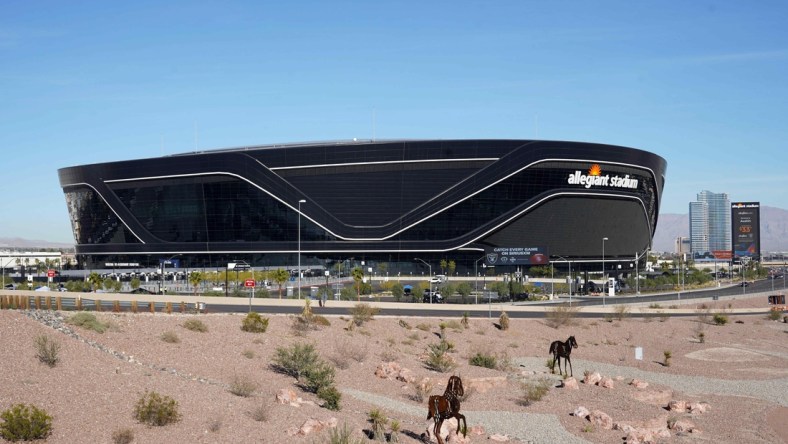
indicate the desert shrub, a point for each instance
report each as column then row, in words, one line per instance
column 123, row 436
column 395, row 428
column 25, row 423
column 654, row 305
column 423, row 327
column 422, row 390
column 296, row 360
column 242, row 386
column 363, row 312
column 621, row 312
column 195, row 325
column 87, row 321
column 402, row 323
column 720, row 319
column 561, row 315
column 503, row 321
column 170, row 337
column 248, row 354
column 534, row 390
column 483, row 360
column 47, row 350
column 320, row 374
column 341, row 435
column 667, row 354
column 156, row 410
column 438, row 358
column 260, row 413
column 452, row 324
column 465, row 320
column 254, row 323
column 774, row 315
column 321, row 321
column 331, row 396
column 215, row 424
column 344, row 351
column 379, row 423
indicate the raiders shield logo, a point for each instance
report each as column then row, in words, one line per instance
column 492, row 258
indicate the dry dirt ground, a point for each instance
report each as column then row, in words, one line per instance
column 91, row 392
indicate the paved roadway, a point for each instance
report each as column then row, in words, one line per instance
column 594, row 306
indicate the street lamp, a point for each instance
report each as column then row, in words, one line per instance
column 476, row 278
column 430, row 268
column 299, row 246
column 161, row 276
column 603, row 270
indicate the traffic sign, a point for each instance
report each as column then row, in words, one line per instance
column 249, row 283
column 51, row 273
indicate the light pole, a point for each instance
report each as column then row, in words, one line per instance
column 299, row 246
column 430, row 268
column 603, row 270
column 161, row 276
column 476, row 277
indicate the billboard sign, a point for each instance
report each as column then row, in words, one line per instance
column 516, row 256
column 746, row 226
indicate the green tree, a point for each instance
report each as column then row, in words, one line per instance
column 280, row 276
column 464, row 289
column 196, row 279
column 135, row 283
column 443, row 264
column 452, row 266
column 397, row 290
column 95, row 281
column 358, row 276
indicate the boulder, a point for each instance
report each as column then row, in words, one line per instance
column 601, row 419
column 698, row 407
column 448, row 432
column 683, row 426
column 476, row 430
column 677, row 406
column 592, row 378
column 288, row 396
column 570, row 383
column 605, row 382
column 498, row 438
column 312, row 425
column 638, row 384
column 405, row 375
column 581, row 412
column 388, row 370
column 640, row 436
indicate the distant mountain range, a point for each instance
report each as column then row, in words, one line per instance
column 774, row 230
column 16, row 242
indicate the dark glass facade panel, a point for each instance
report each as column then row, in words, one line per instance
column 212, row 209
column 516, row 192
column 92, row 220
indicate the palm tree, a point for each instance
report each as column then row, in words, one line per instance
column 358, row 276
column 452, row 266
column 95, row 281
column 280, row 276
column 443, row 265
column 196, row 278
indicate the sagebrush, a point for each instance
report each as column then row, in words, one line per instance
column 47, row 350
column 24, row 422
column 254, row 323
column 156, row 410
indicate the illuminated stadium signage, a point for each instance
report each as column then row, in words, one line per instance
column 516, row 256
column 746, row 226
column 594, row 178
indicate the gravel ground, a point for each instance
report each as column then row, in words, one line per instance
column 92, row 390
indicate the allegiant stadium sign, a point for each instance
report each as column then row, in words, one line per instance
column 594, row 178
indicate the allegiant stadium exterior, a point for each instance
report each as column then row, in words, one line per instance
column 384, row 201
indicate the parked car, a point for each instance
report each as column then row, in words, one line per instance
column 744, row 284
column 437, row 298
column 141, row 290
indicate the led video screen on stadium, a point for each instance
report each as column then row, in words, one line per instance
column 746, row 234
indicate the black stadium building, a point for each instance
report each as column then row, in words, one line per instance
column 380, row 201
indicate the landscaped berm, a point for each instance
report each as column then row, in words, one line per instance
column 197, row 378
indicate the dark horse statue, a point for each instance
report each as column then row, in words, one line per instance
column 562, row 350
column 442, row 407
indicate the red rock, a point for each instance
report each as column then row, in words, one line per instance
column 406, row 375
column 592, row 378
column 683, row 425
column 640, row 436
column 476, row 430
column 638, row 384
column 570, row 383
column 601, row 419
column 498, row 438
column 698, row 407
column 606, row 383
column 581, row 412
column 287, row 396
column 677, row 406
column 387, row 370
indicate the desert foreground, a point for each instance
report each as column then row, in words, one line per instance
column 725, row 383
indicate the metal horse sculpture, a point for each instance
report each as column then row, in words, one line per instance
column 442, row 407
column 562, row 350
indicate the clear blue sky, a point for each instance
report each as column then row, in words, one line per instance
column 701, row 83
